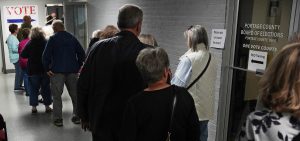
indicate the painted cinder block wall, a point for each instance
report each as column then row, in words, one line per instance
column 167, row 20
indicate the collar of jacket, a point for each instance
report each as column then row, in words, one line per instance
column 126, row 33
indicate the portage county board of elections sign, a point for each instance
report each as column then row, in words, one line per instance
column 14, row 15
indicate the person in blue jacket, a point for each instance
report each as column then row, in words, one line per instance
column 13, row 45
column 62, row 59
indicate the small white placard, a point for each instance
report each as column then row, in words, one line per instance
column 257, row 60
column 218, row 38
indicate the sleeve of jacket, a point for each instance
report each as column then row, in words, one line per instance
column 193, row 122
column 84, row 88
column 47, row 54
column 25, row 53
column 80, row 53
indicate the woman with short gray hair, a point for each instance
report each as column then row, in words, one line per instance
column 197, row 72
column 148, row 115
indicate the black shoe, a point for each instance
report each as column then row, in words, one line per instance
column 58, row 122
column 34, row 111
column 75, row 120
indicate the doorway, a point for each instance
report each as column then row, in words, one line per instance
column 260, row 28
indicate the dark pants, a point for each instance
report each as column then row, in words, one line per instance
column 36, row 82
column 203, row 130
column 26, row 81
column 18, row 76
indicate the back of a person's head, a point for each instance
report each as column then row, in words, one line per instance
column 196, row 34
column 25, row 33
column 109, row 31
column 280, row 85
column 58, row 25
column 148, row 39
column 96, row 33
column 152, row 63
column 129, row 16
column 27, row 19
column 13, row 28
column 37, row 33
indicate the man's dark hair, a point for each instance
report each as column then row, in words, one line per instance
column 129, row 16
column 13, row 28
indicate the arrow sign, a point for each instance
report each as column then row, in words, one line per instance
column 257, row 62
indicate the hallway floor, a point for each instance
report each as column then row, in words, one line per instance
column 24, row 126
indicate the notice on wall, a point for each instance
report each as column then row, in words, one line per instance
column 14, row 15
column 257, row 60
column 218, row 38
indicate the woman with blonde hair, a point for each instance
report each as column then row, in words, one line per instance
column 148, row 39
column 196, row 71
column 37, row 75
column 280, row 95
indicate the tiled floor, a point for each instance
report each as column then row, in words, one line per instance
column 23, row 126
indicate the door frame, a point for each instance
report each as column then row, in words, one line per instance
column 232, row 11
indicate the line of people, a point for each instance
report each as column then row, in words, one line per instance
column 125, row 90
column 49, row 64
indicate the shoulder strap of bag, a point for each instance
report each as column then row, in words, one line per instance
column 204, row 70
column 172, row 113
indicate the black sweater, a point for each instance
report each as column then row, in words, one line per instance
column 33, row 51
column 147, row 116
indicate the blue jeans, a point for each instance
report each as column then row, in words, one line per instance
column 36, row 82
column 26, row 81
column 203, row 130
column 18, row 76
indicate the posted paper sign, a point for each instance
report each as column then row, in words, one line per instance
column 257, row 60
column 218, row 38
column 14, row 15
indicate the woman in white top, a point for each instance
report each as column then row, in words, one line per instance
column 280, row 95
column 190, row 66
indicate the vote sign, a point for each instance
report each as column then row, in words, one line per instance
column 14, row 15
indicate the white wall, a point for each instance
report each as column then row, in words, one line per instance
column 167, row 20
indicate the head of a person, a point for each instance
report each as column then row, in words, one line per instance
column 25, row 33
column 196, row 34
column 148, row 39
column 58, row 25
column 27, row 19
column 130, row 17
column 96, row 33
column 153, row 64
column 13, row 28
column 53, row 14
column 37, row 33
column 280, row 85
column 109, row 31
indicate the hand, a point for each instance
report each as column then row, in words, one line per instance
column 50, row 73
column 85, row 125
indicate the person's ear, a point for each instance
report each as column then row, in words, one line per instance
column 139, row 27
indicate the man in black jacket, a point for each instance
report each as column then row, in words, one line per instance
column 110, row 77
